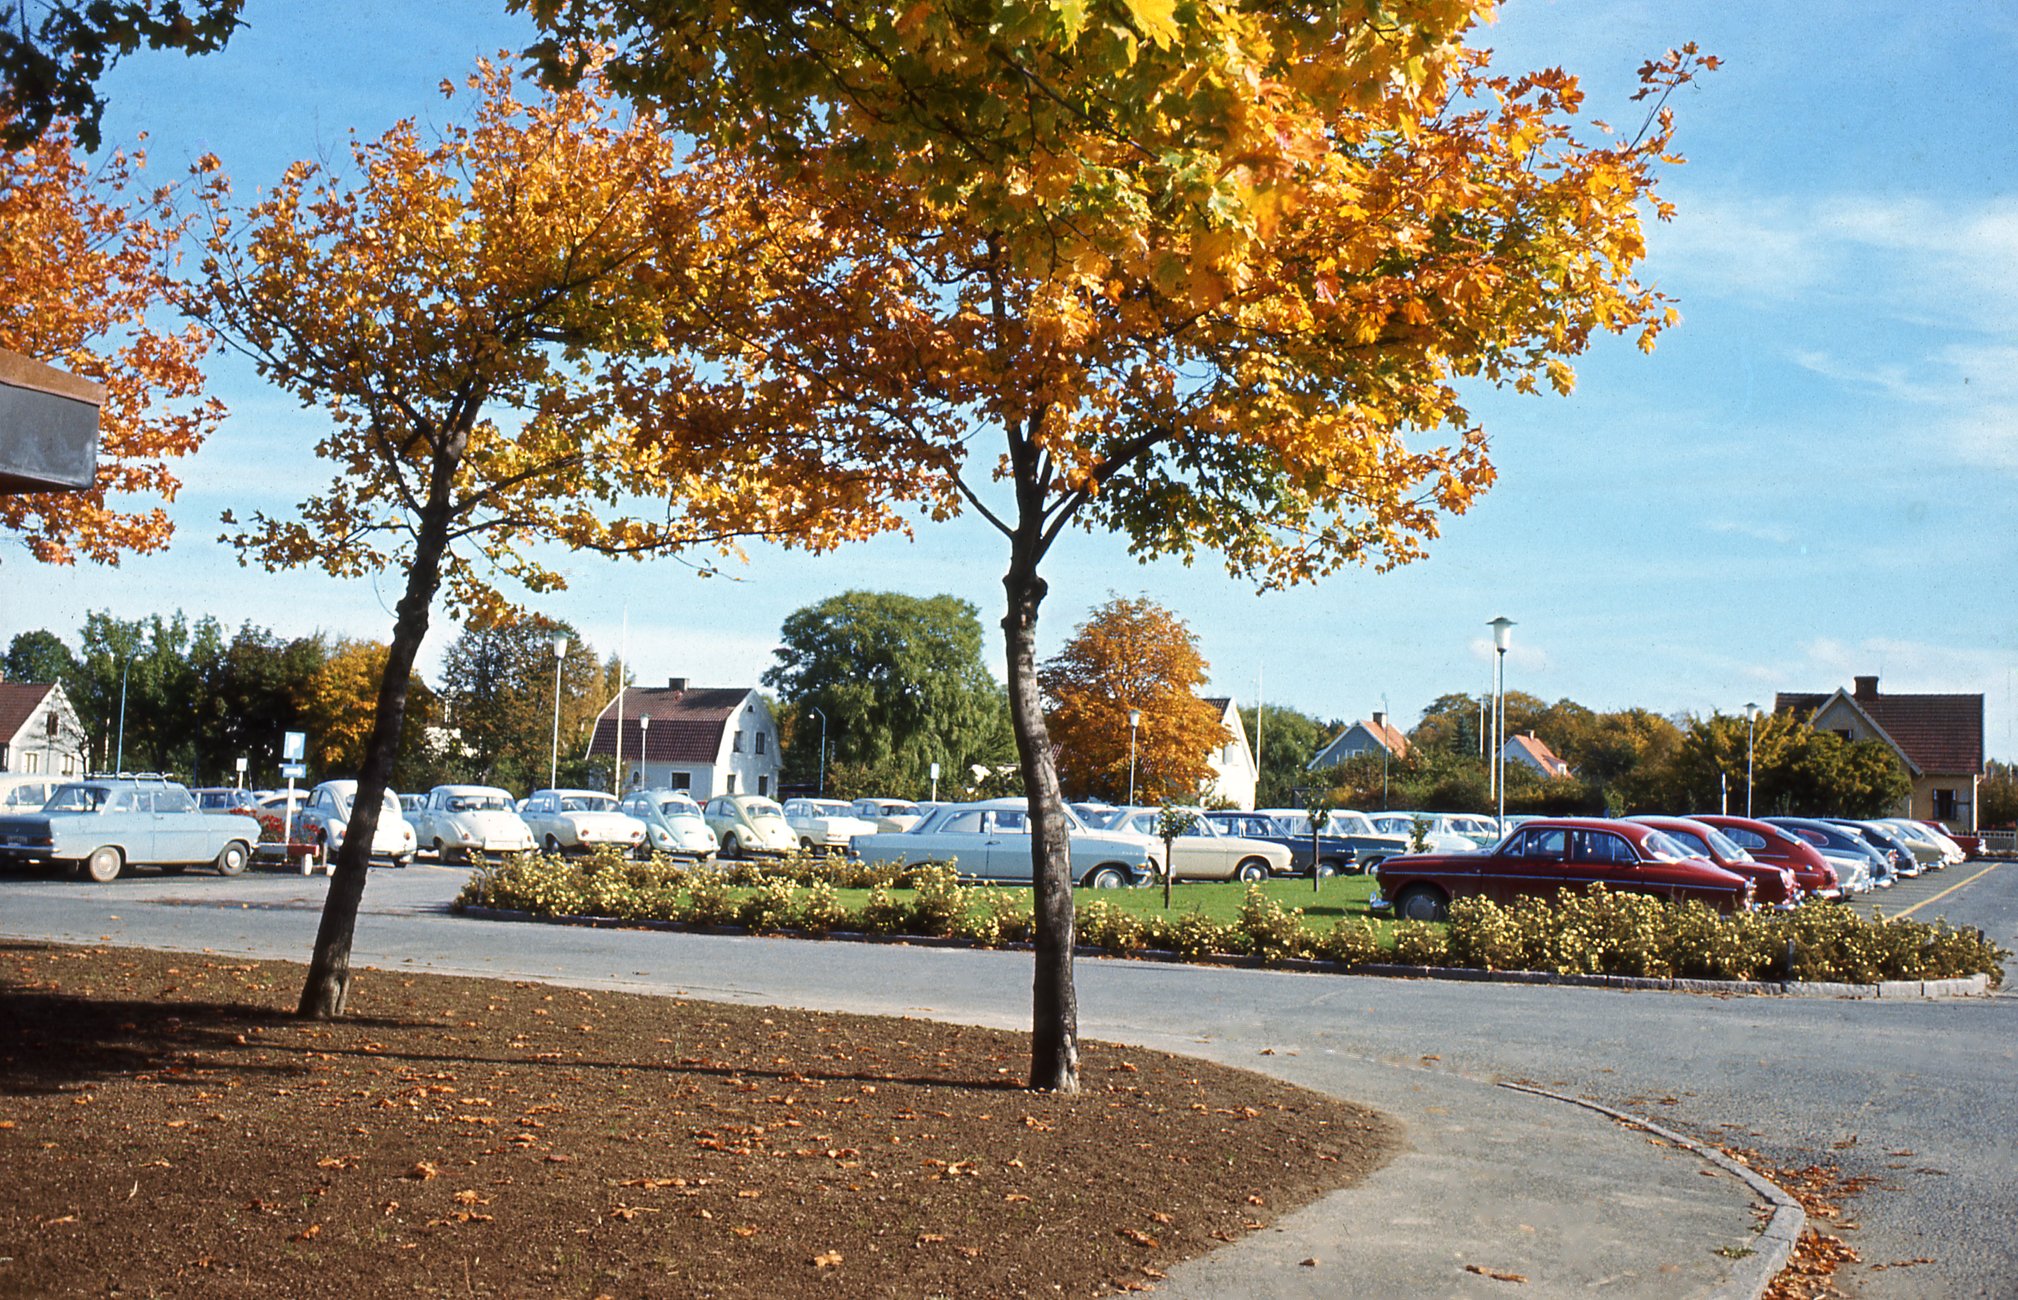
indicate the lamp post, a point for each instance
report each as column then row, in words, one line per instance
column 644, row 752
column 1502, row 636
column 119, row 758
column 823, row 749
column 1134, row 721
column 554, row 762
column 1751, row 726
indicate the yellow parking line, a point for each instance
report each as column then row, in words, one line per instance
column 1944, row 893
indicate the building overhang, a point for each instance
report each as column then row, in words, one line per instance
column 48, row 427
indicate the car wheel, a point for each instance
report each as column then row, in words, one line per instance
column 1367, row 864
column 1251, row 870
column 403, row 861
column 1107, row 878
column 104, row 865
column 806, row 843
column 231, row 859
column 732, row 848
column 553, row 844
column 1421, row 903
column 1328, row 867
column 440, row 851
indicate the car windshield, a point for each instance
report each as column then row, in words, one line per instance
column 761, row 808
column 1659, row 845
column 678, row 807
column 1726, row 847
column 77, row 798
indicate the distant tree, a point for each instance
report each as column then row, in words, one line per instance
column 496, row 687
column 258, row 688
column 1997, row 795
column 903, row 685
column 1796, row 769
column 157, row 663
column 1131, row 655
column 86, row 265
column 53, row 53
column 1289, row 740
column 342, row 708
column 39, row 656
column 1452, row 724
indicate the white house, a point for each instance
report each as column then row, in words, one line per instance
column 1533, row 754
column 1234, row 771
column 706, row 740
column 39, row 731
column 1938, row 737
column 1367, row 736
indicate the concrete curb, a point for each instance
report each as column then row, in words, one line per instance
column 1749, row 1276
column 1969, row 986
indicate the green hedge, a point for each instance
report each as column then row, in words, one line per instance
column 1599, row 933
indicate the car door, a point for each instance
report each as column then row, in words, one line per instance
column 179, row 834
column 1601, row 857
column 1536, row 861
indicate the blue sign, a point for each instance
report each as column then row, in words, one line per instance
column 294, row 771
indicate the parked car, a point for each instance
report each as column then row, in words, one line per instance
column 1844, row 850
column 990, row 840
column 1334, row 853
column 1552, row 854
column 1436, row 838
column 1886, row 840
column 327, row 813
column 575, row 821
column 888, row 814
column 98, row 827
column 1207, row 853
column 1772, row 885
column 673, row 823
column 224, row 798
column 465, row 822
column 748, row 825
column 826, row 823
column 1370, row 845
column 1813, row 873
column 409, row 804
column 1920, row 833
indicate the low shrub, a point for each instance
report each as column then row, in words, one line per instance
column 1267, row 930
column 1100, row 924
column 1419, row 943
column 1350, row 941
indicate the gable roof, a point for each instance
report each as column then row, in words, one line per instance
column 1933, row 733
column 1377, row 731
column 687, row 725
column 18, row 703
column 1537, row 752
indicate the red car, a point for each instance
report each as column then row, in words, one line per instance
column 1542, row 857
column 1780, row 847
column 1773, row 885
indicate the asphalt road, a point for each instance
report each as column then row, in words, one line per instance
column 1917, row 1095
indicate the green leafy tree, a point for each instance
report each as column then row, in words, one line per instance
column 1997, row 795
column 39, row 656
column 53, row 53
column 1289, row 740
column 902, row 685
column 158, row 665
column 496, row 686
column 256, row 689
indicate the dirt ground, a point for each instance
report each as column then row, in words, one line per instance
column 167, row 1127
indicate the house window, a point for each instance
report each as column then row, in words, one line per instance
column 49, row 724
column 31, row 761
column 760, row 746
column 737, row 743
column 763, row 782
column 1844, row 732
column 730, row 787
column 679, row 780
column 1946, row 806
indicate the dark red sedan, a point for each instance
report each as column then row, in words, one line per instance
column 1542, row 857
column 1772, row 884
column 1781, row 847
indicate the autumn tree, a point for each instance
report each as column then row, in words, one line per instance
column 342, row 707
column 499, row 321
column 1207, row 275
column 86, row 259
column 902, row 685
column 497, row 683
column 1131, row 656
column 53, row 53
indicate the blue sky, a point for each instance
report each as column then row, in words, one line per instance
column 1816, row 475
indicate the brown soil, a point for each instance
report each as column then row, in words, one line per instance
column 168, row 1127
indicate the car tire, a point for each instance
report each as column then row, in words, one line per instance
column 104, row 865
column 732, row 848
column 231, row 859
column 1421, row 903
column 1251, row 870
column 440, row 851
column 1106, row 878
column 1328, row 867
column 1367, row 864
column 806, row 843
column 553, row 844
column 403, row 861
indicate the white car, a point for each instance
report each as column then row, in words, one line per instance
column 1930, row 846
column 469, row 821
column 888, row 814
column 567, row 821
column 748, row 825
column 327, row 813
column 990, row 840
column 1438, row 837
column 1206, row 852
column 673, row 823
column 826, row 823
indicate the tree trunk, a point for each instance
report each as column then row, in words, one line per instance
column 327, row 989
column 1054, row 1021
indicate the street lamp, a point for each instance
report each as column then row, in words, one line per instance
column 554, row 762
column 823, row 749
column 644, row 752
column 1751, row 726
column 1134, row 721
column 119, row 759
column 1502, row 636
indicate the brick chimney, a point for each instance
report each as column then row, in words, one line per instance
column 680, row 683
column 1866, row 688
column 1380, row 722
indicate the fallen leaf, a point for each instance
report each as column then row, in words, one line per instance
column 831, row 1259
column 749, row 1231
column 1137, row 1236
column 1308, row 1263
column 310, row 1233
column 1497, row 1275
column 422, row 1171
column 1016, row 1198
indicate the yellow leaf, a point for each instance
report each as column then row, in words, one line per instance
column 1155, row 19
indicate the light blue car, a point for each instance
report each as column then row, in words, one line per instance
column 99, row 827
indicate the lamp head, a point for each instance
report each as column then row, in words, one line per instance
column 560, row 645
column 1502, row 633
column 1134, row 718
column 1751, row 712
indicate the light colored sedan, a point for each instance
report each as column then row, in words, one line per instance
column 1438, row 837
column 888, row 814
column 1932, row 848
column 673, row 823
column 575, row 821
column 328, row 812
column 1207, row 852
column 826, row 823
column 469, row 821
column 749, row 825
column 100, row 827
column 990, row 840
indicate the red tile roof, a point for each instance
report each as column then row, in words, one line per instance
column 1390, row 735
column 1935, row 733
column 686, row 725
column 1539, row 752
column 18, row 702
